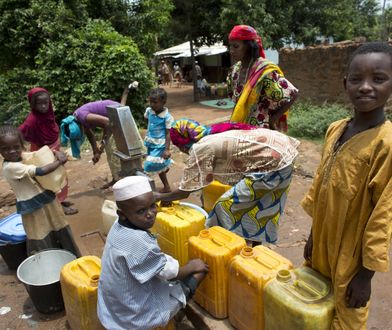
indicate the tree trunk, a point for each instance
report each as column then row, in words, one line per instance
column 194, row 77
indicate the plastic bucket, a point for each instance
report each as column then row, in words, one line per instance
column 196, row 207
column 13, row 253
column 40, row 275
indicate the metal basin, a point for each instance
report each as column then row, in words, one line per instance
column 40, row 275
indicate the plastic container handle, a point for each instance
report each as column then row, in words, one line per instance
column 94, row 277
column 311, row 291
column 217, row 242
column 262, row 261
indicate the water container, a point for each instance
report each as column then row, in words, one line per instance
column 79, row 285
column 174, row 225
column 170, row 326
column 249, row 273
column 54, row 181
column 11, row 229
column 109, row 215
column 215, row 246
column 12, row 240
column 211, row 194
column 298, row 299
column 40, row 275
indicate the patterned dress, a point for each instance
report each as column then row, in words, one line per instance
column 273, row 90
column 258, row 164
column 155, row 140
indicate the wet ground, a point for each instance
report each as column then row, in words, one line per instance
column 16, row 309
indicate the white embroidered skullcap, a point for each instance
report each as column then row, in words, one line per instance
column 130, row 186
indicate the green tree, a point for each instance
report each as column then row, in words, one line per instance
column 267, row 17
column 148, row 20
column 94, row 62
column 25, row 25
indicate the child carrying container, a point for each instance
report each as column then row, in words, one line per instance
column 140, row 287
column 350, row 198
column 42, row 216
column 157, row 138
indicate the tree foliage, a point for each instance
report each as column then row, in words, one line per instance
column 95, row 62
column 278, row 22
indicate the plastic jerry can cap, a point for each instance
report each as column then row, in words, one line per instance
column 283, row 275
column 94, row 280
column 247, row 251
column 205, row 233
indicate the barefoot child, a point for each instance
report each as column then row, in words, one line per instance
column 350, row 199
column 140, row 287
column 157, row 138
column 40, row 129
column 43, row 219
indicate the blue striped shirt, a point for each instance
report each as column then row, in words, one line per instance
column 130, row 294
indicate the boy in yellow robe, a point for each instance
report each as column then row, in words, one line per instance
column 350, row 200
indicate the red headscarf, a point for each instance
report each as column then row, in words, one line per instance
column 246, row 32
column 40, row 128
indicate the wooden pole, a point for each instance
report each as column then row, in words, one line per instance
column 194, row 76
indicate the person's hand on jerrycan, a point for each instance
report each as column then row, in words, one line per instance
column 197, row 266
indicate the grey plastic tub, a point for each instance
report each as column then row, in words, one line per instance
column 40, row 275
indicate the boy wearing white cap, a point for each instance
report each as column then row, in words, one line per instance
column 141, row 287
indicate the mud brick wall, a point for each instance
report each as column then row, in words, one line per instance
column 318, row 71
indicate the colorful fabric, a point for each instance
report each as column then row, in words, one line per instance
column 246, row 32
column 252, row 207
column 350, row 204
column 71, row 132
column 155, row 140
column 186, row 132
column 264, row 92
column 40, row 128
column 229, row 156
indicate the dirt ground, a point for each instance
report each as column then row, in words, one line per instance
column 85, row 180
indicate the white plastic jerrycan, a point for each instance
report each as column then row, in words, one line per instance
column 109, row 215
column 54, row 181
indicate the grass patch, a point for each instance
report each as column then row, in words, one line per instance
column 310, row 121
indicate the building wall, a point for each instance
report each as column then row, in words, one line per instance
column 318, row 71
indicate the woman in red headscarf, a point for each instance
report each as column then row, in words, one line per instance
column 40, row 129
column 257, row 86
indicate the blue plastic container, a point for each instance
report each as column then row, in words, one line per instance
column 11, row 229
column 12, row 240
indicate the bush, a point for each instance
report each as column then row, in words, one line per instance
column 14, row 85
column 312, row 121
column 95, row 62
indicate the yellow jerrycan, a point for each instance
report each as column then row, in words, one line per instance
column 170, row 326
column 109, row 215
column 249, row 273
column 79, row 285
column 174, row 225
column 54, row 181
column 215, row 246
column 211, row 194
column 298, row 299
